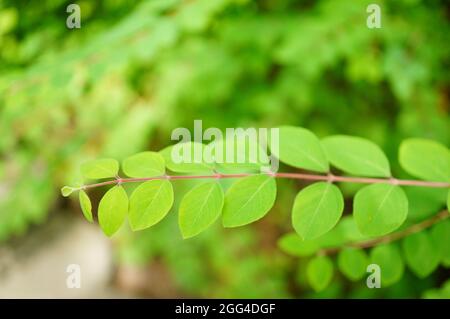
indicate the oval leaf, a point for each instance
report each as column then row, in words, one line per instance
column 300, row 148
column 67, row 190
column 186, row 158
column 248, row 200
column 353, row 263
column 145, row 164
column 319, row 272
column 440, row 234
column 425, row 159
column 199, row 208
column 421, row 255
column 294, row 245
column 86, row 206
column 317, row 209
column 379, row 209
column 388, row 258
column 112, row 210
column 101, row 168
column 149, row 203
column 357, row 156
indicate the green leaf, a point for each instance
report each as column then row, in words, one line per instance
column 190, row 156
column 357, row 156
column 238, row 153
column 199, row 208
column 319, row 272
column 101, row 168
column 294, row 245
column 86, row 206
column 421, row 255
column 353, row 263
column 67, row 190
column 145, row 164
column 440, row 233
column 112, row 210
column 317, row 209
column 448, row 201
column 149, row 203
column 300, row 148
column 379, row 209
column 390, row 261
column 248, row 200
column 425, row 159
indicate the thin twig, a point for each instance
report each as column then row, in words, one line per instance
column 298, row 176
column 391, row 237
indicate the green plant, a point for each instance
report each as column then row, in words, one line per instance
column 378, row 208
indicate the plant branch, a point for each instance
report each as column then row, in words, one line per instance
column 299, row 176
column 391, row 237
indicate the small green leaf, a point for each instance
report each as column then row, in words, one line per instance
column 86, row 206
column 300, row 148
column 145, row 164
column 353, row 263
column 425, row 159
column 319, row 272
column 112, row 210
column 440, row 233
column 238, row 153
column 388, row 258
column 379, row 209
column 294, row 245
column 317, row 209
column 421, row 255
column 199, row 208
column 186, row 158
column 101, row 168
column 248, row 200
column 357, row 156
column 149, row 203
column 448, row 201
column 67, row 190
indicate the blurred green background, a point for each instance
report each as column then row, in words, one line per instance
column 136, row 70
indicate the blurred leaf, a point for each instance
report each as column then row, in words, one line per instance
column 190, row 155
column 317, row 209
column 199, row 208
column 294, row 245
column 422, row 256
column 112, row 209
column 145, row 164
column 67, row 190
column 440, row 234
column 319, row 272
column 357, row 156
column 149, row 203
column 353, row 263
column 390, row 261
column 248, row 200
column 425, row 159
column 379, row 209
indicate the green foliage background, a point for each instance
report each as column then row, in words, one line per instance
column 137, row 69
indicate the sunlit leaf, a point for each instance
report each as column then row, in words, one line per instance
column 86, row 206
column 101, row 168
column 379, row 209
column 149, row 203
column 317, row 209
column 425, row 159
column 145, row 164
column 112, row 210
column 357, row 156
column 300, row 148
column 199, row 208
column 248, row 200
